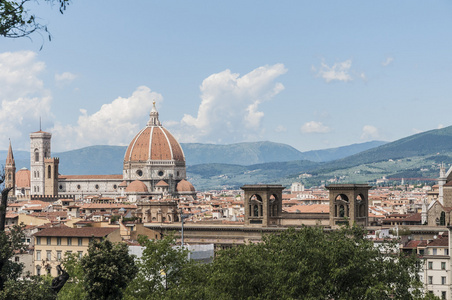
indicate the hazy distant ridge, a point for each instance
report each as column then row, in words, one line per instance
column 109, row 159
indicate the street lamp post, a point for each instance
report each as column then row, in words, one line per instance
column 182, row 225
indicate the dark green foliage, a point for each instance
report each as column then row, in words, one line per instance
column 108, row 270
column 17, row 21
column 74, row 289
column 30, row 288
column 311, row 264
column 165, row 272
column 9, row 243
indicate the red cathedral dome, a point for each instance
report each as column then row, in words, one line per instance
column 185, row 186
column 154, row 143
column 136, row 187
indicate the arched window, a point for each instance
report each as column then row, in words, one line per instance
column 36, row 155
column 442, row 219
column 341, row 211
column 256, row 210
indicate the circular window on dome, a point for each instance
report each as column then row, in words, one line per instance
column 139, row 173
column 97, row 186
column 78, row 186
column 160, row 173
column 115, row 186
column 61, row 187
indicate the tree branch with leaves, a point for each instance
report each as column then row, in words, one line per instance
column 17, row 21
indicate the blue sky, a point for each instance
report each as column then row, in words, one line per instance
column 311, row 74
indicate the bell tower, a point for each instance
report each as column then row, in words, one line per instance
column 349, row 203
column 39, row 150
column 263, row 204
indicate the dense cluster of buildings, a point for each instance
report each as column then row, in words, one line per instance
column 63, row 213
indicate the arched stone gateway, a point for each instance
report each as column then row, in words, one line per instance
column 349, row 203
column 263, row 204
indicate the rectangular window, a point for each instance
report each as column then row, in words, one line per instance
column 80, row 254
column 38, row 255
column 443, row 295
column 430, row 265
column 16, row 259
column 69, row 241
column 443, row 280
column 38, row 240
column 434, row 251
column 49, row 255
column 58, row 255
column 49, row 241
column 59, row 241
column 430, row 280
column 446, row 251
column 421, row 251
column 443, row 265
column 80, row 241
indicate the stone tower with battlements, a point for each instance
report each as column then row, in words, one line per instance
column 39, row 150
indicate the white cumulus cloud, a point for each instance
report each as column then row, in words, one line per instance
column 65, row 77
column 314, row 127
column 229, row 109
column 280, row 128
column 387, row 62
column 339, row 71
column 115, row 123
column 23, row 97
column 370, row 132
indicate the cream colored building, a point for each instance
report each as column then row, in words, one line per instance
column 52, row 244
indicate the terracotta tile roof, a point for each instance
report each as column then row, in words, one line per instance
column 415, row 244
column 76, row 232
column 313, row 208
column 137, row 186
column 442, row 241
column 414, row 218
column 51, row 225
column 107, row 205
column 11, row 215
column 162, row 183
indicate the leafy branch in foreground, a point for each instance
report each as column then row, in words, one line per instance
column 17, row 21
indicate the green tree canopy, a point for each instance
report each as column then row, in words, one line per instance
column 312, row 264
column 108, row 269
column 10, row 242
column 164, row 270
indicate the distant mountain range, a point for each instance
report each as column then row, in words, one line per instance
column 109, row 159
column 414, row 158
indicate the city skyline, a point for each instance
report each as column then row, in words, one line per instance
column 310, row 75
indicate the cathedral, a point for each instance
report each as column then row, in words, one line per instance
column 153, row 168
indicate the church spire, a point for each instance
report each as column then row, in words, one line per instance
column 154, row 117
column 10, row 157
column 10, row 171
